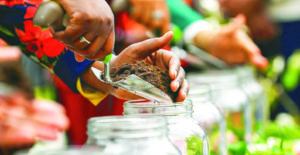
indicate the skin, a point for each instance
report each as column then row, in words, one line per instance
column 92, row 19
column 23, row 120
column 254, row 12
column 231, row 44
column 148, row 50
column 142, row 11
column 9, row 54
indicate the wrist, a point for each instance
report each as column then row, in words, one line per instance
column 193, row 29
column 204, row 39
column 88, row 78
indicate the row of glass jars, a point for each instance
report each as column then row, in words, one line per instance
column 238, row 96
column 142, row 132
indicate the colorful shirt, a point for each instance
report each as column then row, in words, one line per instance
column 17, row 29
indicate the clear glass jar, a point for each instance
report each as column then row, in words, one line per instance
column 231, row 99
column 209, row 117
column 255, row 93
column 63, row 151
column 184, row 132
column 118, row 135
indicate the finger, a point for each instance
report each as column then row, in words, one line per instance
column 50, row 114
column 184, row 89
column 143, row 49
column 110, row 42
column 107, row 48
column 79, row 58
column 176, row 83
column 9, row 54
column 239, row 21
column 260, row 62
column 83, row 41
column 174, row 66
column 45, row 132
column 253, row 52
column 22, row 135
column 95, row 48
column 70, row 34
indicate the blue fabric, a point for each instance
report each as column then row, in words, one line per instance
column 290, row 41
column 69, row 70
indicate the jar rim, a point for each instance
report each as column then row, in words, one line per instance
column 175, row 109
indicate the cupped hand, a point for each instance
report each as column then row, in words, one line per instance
column 92, row 20
column 23, row 121
column 150, row 51
column 232, row 45
column 152, row 13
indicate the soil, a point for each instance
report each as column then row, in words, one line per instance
column 156, row 76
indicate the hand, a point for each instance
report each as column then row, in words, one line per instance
column 231, row 44
column 235, row 7
column 255, row 13
column 92, row 20
column 149, row 51
column 9, row 54
column 22, row 121
column 152, row 13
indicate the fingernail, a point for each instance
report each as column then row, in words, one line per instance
column 176, row 86
column 175, row 73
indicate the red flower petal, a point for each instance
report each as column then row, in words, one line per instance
column 52, row 48
column 30, row 12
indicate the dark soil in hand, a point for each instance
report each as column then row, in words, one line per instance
column 156, row 76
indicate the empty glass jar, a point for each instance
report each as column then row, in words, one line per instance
column 184, row 132
column 63, row 151
column 255, row 93
column 209, row 117
column 117, row 135
column 230, row 98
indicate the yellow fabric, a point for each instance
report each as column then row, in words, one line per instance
column 91, row 94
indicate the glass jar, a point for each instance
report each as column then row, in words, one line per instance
column 117, row 135
column 231, row 99
column 184, row 132
column 209, row 117
column 255, row 93
column 63, row 151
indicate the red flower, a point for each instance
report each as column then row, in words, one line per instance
column 11, row 3
column 38, row 40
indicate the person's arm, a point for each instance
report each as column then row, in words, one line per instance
column 228, row 43
column 54, row 56
column 17, row 29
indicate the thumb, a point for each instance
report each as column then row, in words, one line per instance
column 143, row 49
column 259, row 61
column 238, row 22
column 79, row 58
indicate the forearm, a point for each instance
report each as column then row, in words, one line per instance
column 89, row 79
column 203, row 39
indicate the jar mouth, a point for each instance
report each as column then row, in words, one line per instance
column 150, row 108
column 126, row 126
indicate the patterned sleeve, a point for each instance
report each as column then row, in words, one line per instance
column 17, row 29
